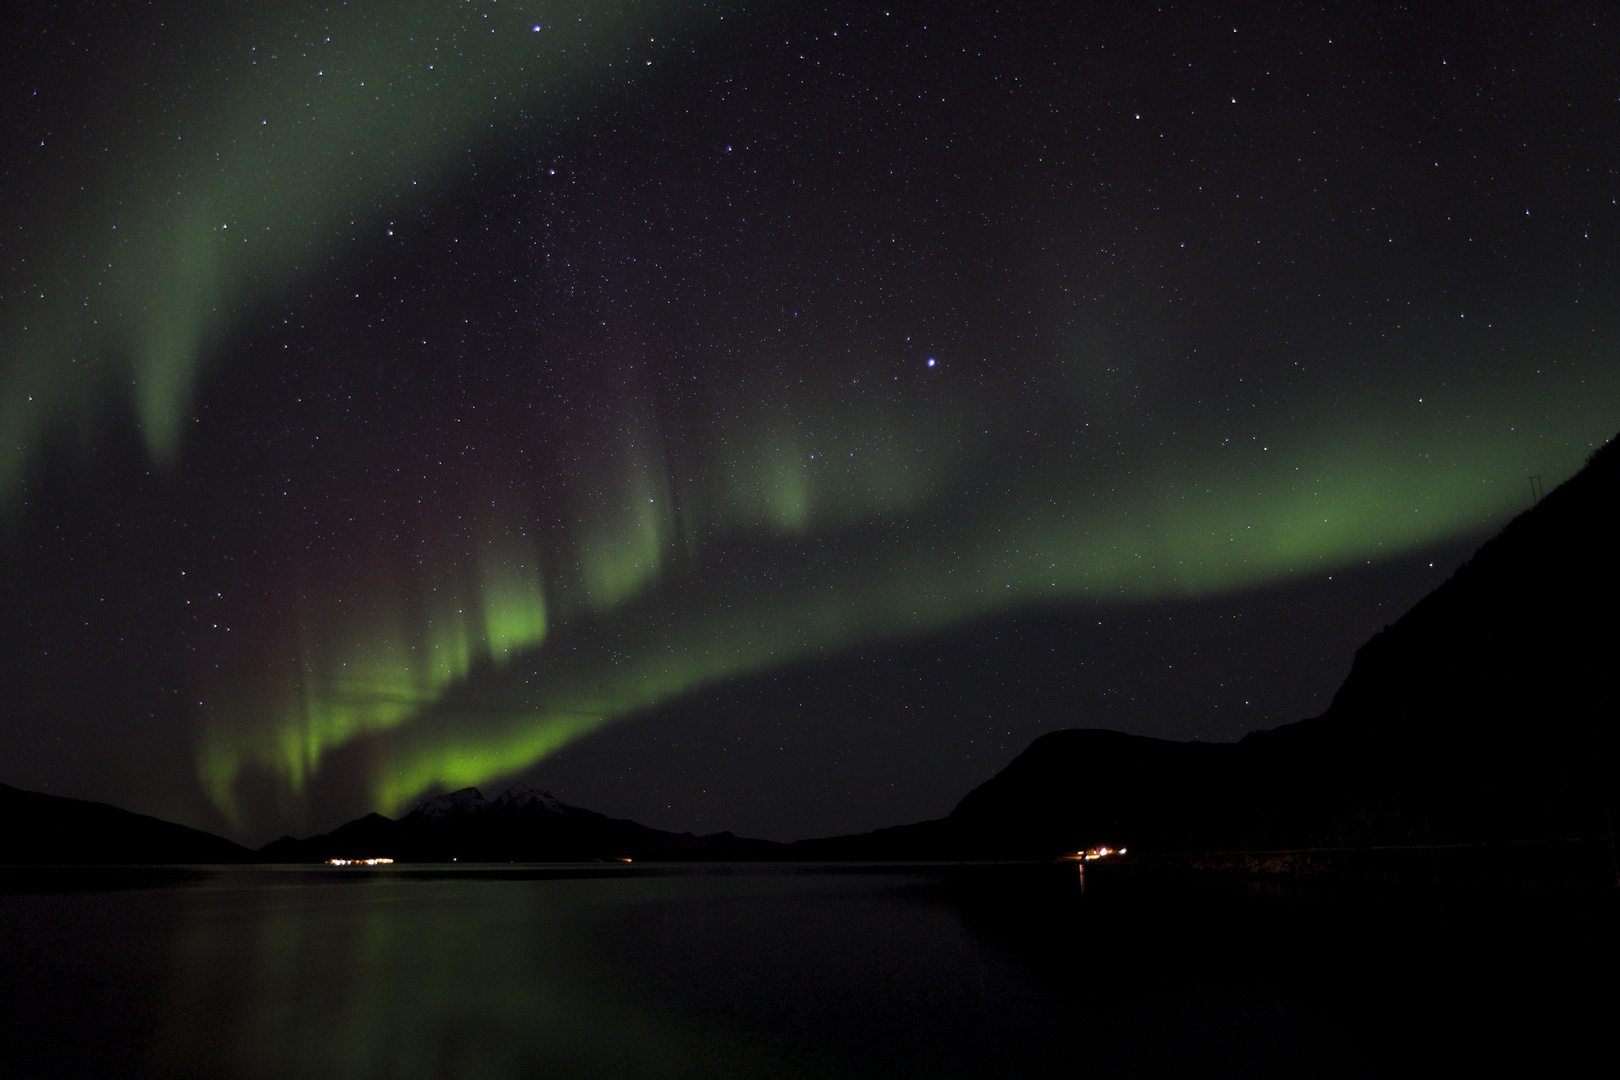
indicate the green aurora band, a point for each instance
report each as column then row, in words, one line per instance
column 470, row 665
column 823, row 521
column 312, row 131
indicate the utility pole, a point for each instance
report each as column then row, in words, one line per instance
column 1535, row 489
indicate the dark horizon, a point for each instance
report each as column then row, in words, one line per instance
column 1433, row 766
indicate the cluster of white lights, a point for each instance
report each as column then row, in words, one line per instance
column 358, row 862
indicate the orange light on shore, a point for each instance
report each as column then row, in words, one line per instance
column 1091, row 854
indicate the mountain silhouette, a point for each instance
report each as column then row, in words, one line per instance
column 52, row 829
column 520, row 825
column 1485, row 716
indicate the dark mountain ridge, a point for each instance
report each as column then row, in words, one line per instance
column 1483, row 716
column 519, row 825
column 52, row 829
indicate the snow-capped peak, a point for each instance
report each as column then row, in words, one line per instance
column 452, row 804
column 523, row 797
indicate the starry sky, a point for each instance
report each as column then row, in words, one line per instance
column 759, row 416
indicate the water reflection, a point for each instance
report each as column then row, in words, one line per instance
column 787, row 972
column 400, row 977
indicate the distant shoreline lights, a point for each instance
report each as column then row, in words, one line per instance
column 358, row 862
column 1090, row 854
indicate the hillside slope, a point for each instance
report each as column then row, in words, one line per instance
column 1485, row 715
column 520, row 825
column 50, row 829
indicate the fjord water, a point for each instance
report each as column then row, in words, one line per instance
column 783, row 971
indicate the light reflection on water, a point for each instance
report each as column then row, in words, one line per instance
column 455, row 977
column 771, row 972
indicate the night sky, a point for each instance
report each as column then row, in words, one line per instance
column 765, row 417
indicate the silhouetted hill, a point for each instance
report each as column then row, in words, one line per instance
column 1068, row 790
column 1110, row 784
column 1488, row 710
column 521, row 825
column 51, row 829
column 1484, row 716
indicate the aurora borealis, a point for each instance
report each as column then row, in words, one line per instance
column 398, row 397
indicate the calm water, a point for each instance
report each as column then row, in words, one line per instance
column 783, row 972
